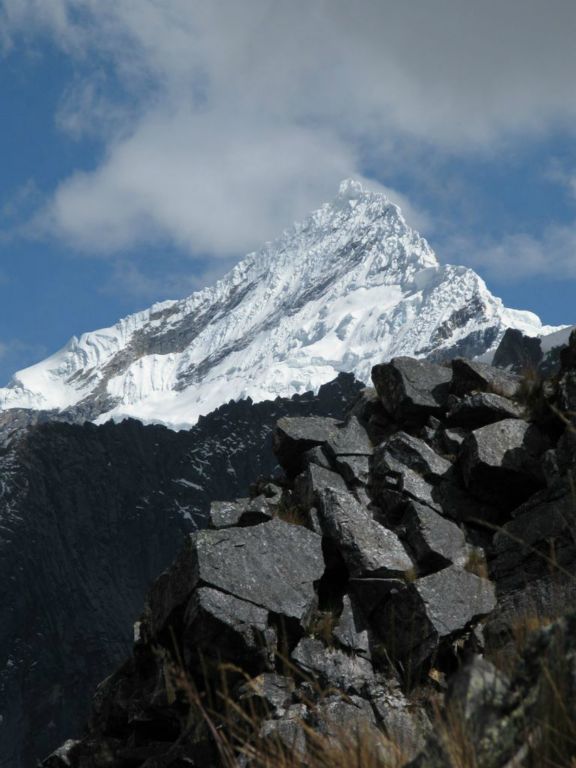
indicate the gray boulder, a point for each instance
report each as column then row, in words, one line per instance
column 541, row 535
column 500, row 462
column 351, row 630
column 268, row 693
column 416, row 618
column 433, row 541
column 294, row 436
column 354, row 469
column 220, row 626
column 368, row 548
column 332, row 667
column 408, row 467
column 273, row 565
column 470, row 376
column 351, row 439
column 411, row 390
column 517, row 352
column 288, row 730
column 482, row 408
column 311, row 484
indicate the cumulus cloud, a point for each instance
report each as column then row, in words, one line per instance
column 518, row 256
column 237, row 118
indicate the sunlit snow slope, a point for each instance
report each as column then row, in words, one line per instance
column 351, row 285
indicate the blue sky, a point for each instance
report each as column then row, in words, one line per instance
column 146, row 146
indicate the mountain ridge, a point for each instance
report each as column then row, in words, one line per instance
column 351, row 282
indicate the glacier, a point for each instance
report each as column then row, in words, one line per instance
column 350, row 285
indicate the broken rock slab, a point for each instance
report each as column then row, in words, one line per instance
column 500, row 462
column 469, row 376
column 311, row 484
column 351, row 630
column 368, row 548
column 415, row 619
column 221, row 626
column 433, row 541
column 408, row 467
column 332, row 667
column 412, row 390
column 273, row 565
column 296, row 435
column 482, row 408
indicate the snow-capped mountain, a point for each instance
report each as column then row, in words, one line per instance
column 351, row 284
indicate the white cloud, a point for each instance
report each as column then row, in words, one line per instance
column 129, row 278
column 519, row 256
column 238, row 117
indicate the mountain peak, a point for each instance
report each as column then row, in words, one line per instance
column 350, row 189
column 351, row 284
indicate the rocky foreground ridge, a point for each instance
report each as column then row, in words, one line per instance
column 89, row 516
column 381, row 582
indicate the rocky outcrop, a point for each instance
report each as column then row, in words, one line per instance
column 382, row 580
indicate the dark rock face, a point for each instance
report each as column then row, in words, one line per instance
column 412, row 389
column 480, row 409
column 517, row 352
column 469, row 376
column 89, row 517
column 500, row 462
column 367, row 547
column 416, row 618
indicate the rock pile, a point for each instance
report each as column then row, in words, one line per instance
column 401, row 545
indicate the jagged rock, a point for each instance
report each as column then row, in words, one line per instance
column 351, row 439
column 273, row 565
column 367, row 547
column 311, row 484
column 331, row 666
column 316, row 456
column 500, row 462
column 517, row 352
column 416, row 617
column 411, row 390
column 349, row 719
column 470, row 376
column 354, row 469
column 289, row 730
column 452, row 439
column 543, row 531
column 482, row 408
column 433, row 541
column 268, row 692
column 243, row 512
column 294, row 436
column 404, row 452
column 351, row 629
column 221, row 626
column 407, row 466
